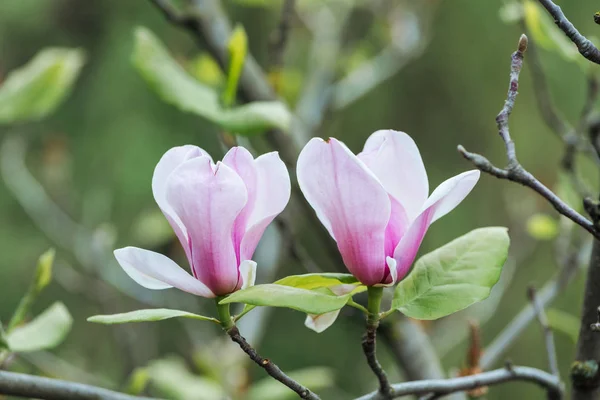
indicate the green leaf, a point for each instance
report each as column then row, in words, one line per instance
column 316, row 378
column 172, row 378
column 137, row 381
column 313, row 281
column 43, row 274
column 542, row 227
column 237, row 47
column 274, row 295
column 173, row 84
column 40, row 86
column 454, row 276
column 46, row 331
column 149, row 315
column 564, row 322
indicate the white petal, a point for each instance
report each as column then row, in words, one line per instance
column 319, row 323
column 156, row 271
column 248, row 273
column 450, row 193
column 395, row 159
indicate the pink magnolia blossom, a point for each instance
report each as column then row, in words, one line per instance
column 376, row 204
column 218, row 211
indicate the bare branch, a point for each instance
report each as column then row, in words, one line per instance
column 548, row 336
column 279, row 38
column 29, row 386
column 584, row 45
column 550, row 383
column 270, row 367
column 514, row 171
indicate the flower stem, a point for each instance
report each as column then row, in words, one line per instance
column 224, row 315
column 369, row 340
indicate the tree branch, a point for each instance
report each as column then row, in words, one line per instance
column 270, row 367
column 514, row 171
column 22, row 385
column 550, row 383
column 584, row 45
column 548, row 336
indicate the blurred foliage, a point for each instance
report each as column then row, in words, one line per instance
column 95, row 153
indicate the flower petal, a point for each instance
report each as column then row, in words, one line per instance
column 156, row 271
column 208, row 199
column 319, row 323
column 273, row 189
column 395, row 159
column 443, row 200
column 248, row 273
column 350, row 202
column 167, row 164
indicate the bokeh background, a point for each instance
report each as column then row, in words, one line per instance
column 94, row 159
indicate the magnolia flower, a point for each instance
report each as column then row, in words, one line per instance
column 375, row 204
column 218, row 211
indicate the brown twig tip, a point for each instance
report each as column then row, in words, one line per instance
column 523, row 42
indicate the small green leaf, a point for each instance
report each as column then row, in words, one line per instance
column 149, row 315
column 206, row 70
column 454, row 276
column 542, row 227
column 173, row 379
column 137, row 381
column 39, row 87
column 237, row 47
column 273, row 295
column 173, row 84
column 46, row 331
column 564, row 322
column 316, row 378
column 43, row 274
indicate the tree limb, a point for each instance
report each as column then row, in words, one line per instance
column 550, row 383
column 29, row 386
column 548, row 336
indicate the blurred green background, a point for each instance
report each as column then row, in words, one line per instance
column 96, row 154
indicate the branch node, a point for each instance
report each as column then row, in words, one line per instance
column 585, row 374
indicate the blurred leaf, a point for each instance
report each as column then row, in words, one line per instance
column 316, row 378
column 173, row 379
column 46, row 331
column 207, row 70
column 542, row 227
column 43, row 276
column 546, row 34
column 237, row 48
column 151, row 229
column 512, row 12
column 3, row 340
column 137, row 382
column 149, row 315
column 564, row 323
column 39, row 87
column 454, row 276
column 176, row 87
column 273, row 295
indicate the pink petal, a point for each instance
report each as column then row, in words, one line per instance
column 208, row 199
column 395, row 159
column 443, row 200
column 156, row 271
column 168, row 162
column 272, row 191
column 350, row 202
column 241, row 161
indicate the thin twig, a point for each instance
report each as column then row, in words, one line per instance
column 584, row 45
column 270, row 367
column 514, row 171
column 280, row 36
column 369, row 345
column 444, row 386
column 29, row 386
column 548, row 336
